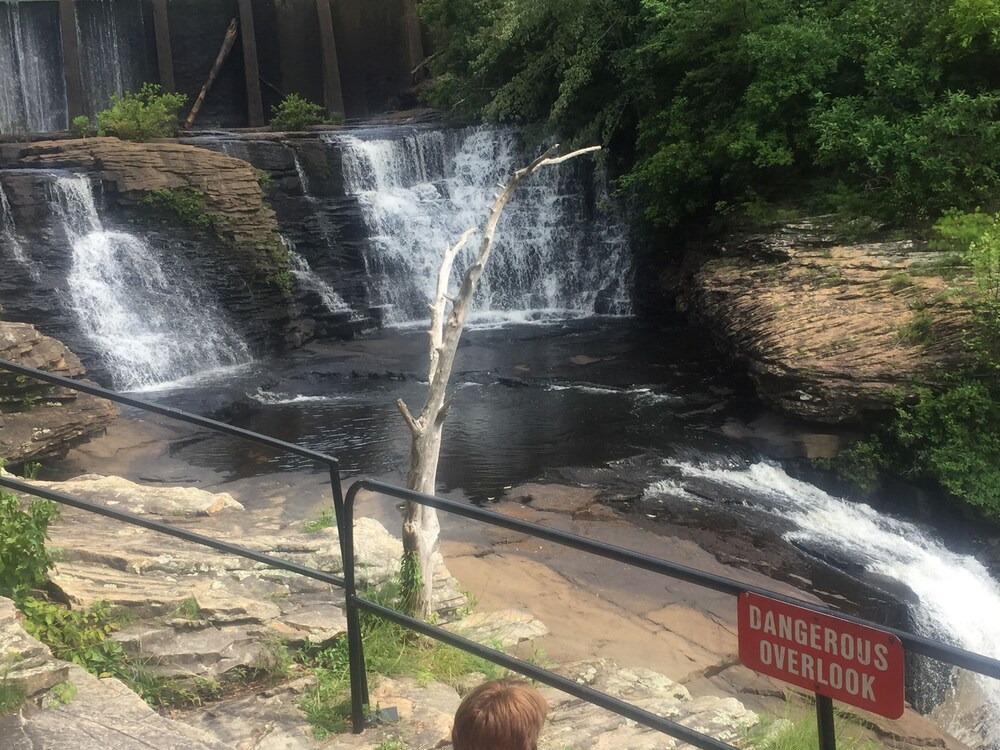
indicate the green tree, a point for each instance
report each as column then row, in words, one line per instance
column 702, row 102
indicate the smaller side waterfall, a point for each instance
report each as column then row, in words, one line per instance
column 150, row 325
column 420, row 188
column 11, row 241
column 959, row 602
column 309, row 279
column 32, row 88
column 112, row 50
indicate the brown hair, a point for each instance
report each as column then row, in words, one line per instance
column 505, row 714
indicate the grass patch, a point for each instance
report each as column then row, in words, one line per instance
column 188, row 610
column 327, row 518
column 798, row 732
column 918, row 330
column 899, row 281
column 390, row 651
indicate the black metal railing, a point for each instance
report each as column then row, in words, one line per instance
column 913, row 643
column 355, row 603
column 329, row 462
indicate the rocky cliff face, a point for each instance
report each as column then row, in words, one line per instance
column 830, row 332
column 37, row 420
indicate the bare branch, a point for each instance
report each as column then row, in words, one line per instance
column 441, row 297
column 407, row 417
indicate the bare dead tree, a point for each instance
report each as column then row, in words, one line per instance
column 420, row 523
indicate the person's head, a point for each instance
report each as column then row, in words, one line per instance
column 505, row 714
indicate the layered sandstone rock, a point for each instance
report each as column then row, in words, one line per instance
column 39, row 420
column 233, row 196
column 830, row 332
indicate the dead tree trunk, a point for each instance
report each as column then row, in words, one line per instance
column 420, row 523
column 224, row 50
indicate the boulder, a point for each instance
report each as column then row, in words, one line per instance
column 38, row 420
column 828, row 331
column 92, row 714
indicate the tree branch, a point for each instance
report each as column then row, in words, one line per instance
column 407, row 417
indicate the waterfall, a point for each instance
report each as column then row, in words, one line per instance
column 309, row 279
column 959, row 602
column 105, row 69
column 32, row 87
column 420, row 188
column 150, row 326
column 11, row 240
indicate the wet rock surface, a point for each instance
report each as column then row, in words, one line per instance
column 830, row 331
column 37, row 420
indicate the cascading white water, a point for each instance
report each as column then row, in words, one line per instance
column 149, row 327
column 959, row 600
column 311, row 280
column 105, row 65
column 32, row 87
column 11, row 241
column 419, row 189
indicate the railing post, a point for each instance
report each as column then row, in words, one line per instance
column 824, row 723
column 355, row 647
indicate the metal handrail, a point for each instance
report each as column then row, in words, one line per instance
column 918, row 644
column 331, row 463
column 344, row 509
column 174, row 531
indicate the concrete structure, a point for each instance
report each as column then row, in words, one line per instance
column 356, row 57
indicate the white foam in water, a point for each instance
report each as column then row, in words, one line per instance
column 959, row 600
column 148, row 328
column 420, row 189
column 270, row 398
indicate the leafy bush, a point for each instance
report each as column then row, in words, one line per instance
column 146, row 114
column 82, row 126
column 187, row 205
column 295, row 113
column 24, row 561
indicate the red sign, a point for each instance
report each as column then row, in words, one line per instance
column 850, row 663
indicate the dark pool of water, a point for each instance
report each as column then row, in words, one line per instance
column 528, row 398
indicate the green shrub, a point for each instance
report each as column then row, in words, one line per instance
column 187, row 205
column 148, row 113
column 295, row 113
column 24, row 561
column 82, row 126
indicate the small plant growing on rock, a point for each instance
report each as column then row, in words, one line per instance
column 24, row 561
column 12, row 696
column 295, row 113
column 186, row 205
column 149, row 113
column 82, row 126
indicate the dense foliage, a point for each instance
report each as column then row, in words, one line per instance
column 952, row 435
column 149, row 113
column 891, row 102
